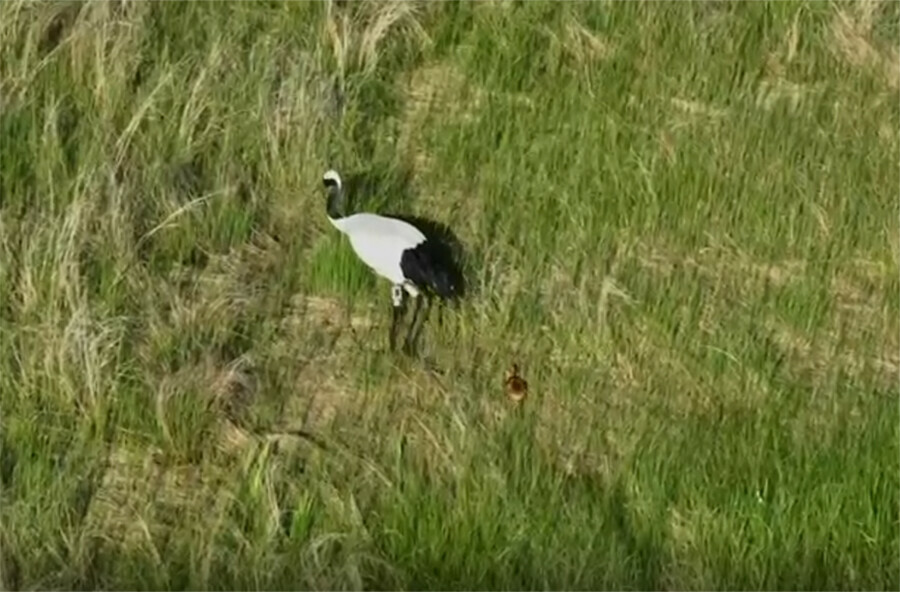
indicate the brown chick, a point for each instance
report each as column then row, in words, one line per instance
column 516, row 387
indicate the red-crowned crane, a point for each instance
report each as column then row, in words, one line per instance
column 397, row 251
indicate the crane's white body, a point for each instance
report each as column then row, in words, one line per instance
column 379, row 242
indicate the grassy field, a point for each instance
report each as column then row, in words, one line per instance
column 679, row 219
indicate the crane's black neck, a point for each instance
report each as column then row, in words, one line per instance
column 335, row 204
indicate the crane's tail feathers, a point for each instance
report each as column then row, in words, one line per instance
column 428, row 267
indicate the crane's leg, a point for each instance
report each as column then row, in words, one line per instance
column 416, row 332
column 412, row 334
column 397, row 313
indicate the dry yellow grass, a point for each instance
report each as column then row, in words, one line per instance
column 851, row 31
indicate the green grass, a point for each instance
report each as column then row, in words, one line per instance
column 679, row 219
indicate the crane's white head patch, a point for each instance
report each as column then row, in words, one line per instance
column 331, row 179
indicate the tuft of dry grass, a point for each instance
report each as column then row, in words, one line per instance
column 140, row 497
column 585, row 45
column 851, row 34
column 355, row 39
